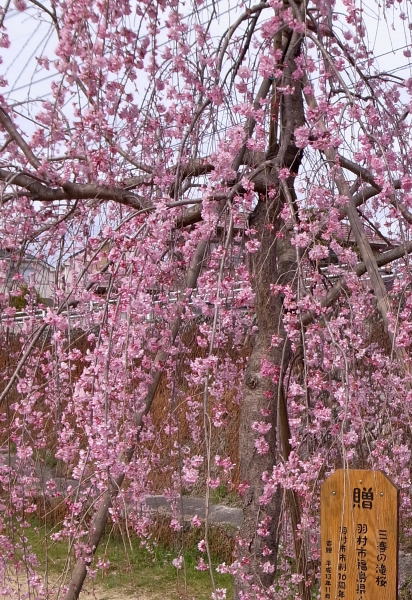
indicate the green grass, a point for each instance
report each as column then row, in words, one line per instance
column 140, row 569
column 132, row 567
column 222, row 495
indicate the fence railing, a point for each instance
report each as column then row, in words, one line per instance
column 170, row 297
column 71, row 313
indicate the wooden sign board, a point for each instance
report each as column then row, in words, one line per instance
column 359, row 536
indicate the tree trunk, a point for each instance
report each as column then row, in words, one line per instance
column 273, row 263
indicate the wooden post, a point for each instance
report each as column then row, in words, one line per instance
column 359, row 536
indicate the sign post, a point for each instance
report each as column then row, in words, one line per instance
column 359, row 536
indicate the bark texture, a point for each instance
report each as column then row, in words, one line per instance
column 274, row 264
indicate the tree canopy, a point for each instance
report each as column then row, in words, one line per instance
column 223, row 194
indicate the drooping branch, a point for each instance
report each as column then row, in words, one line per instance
column 65, row 217
column 101, row 515
column 358, row 170
column 366, row 252
column 351, row 212
column 374, row 189
column 229, row 33
column 381, row 260
column 11, row 129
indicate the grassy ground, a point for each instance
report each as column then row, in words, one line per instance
column 134, row 570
